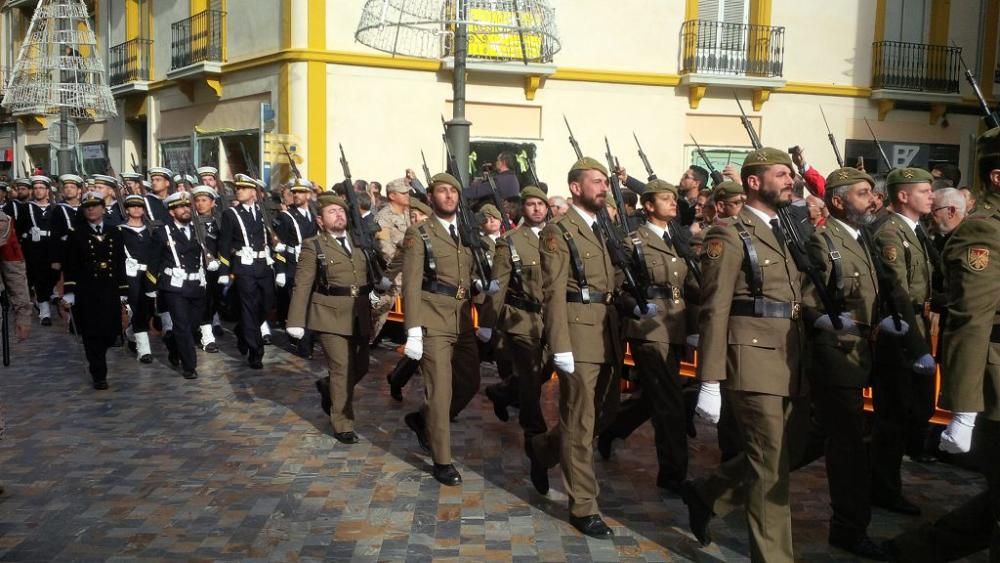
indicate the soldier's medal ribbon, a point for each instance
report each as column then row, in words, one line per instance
column 979, row 258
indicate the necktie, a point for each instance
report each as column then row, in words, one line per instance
column 925, row 242
column 97, row 229
column 597, row 232
column 454, row 234
column 343, row 244
column 668, row 240
column 778, row 232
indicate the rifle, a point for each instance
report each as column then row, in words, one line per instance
column 878, row 145
column 751, row 132
column 572, row 139
column 833, row 140
column 468, row 232
column 645, row 161
column 265, row 211
column 990, row 117
column 716, row 175
column 362, row 238
column 5, row 326
column 504, row 220
column 616, row 187
column 427, row 171
column 201, row 235
column 291, row 163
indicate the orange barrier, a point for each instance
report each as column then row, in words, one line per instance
column 689, row 365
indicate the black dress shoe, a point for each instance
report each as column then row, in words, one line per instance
column 898, row 505
column 146, row 358
column 323, row 386
column 863, row 547
column 242, row 347
column 499, row 406
column 923, row 458
column 100, row 385
column 604, row 445
column 190, row 374
column 699, row 513
column 255, row 359
column 211, row 348
column 447, row 475
column 46, row 321
column 592, row 526
column 539, row 473
column 415, row 421
column 173, row 358
column 395, row 391
column 346, row 437
column 267, row 339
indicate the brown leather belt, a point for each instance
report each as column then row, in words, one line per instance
column 663, row 292
column 596, row 298
column 442, row 288
column 346, row 291
column 765, row 309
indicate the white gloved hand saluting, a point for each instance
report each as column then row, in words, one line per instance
column 957, row 437
column 564, row 362
column 888, row 325
column 848, row 326
column 295, row 332
column 484, row 334
column 925, row 365
column 414, row 348
column 709, row 402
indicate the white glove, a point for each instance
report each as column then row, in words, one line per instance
column 848, row 326
column 564, row 362
column 693, row 340
column 280, row 247
column 280, row 280
column 924, row 365
column 213, row 266
column 957, row 437
column 492, row 288
column 414, row 348
column 889, row 325
column 69, row 299
column 709, row 402
column 123, row 299
column 373, row 298
column 295, row 332
column 150, row 294
column 224, row 280
column 651, row 311
column 484, row 334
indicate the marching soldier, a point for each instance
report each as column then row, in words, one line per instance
column 139, row 251
column 244, row 254
column 840, row 360
column 393, row 220
column 180, row 273
column 294, row 225
column 582, row 329
column 17, row 203
column 35, row 229
column 94, row 284
column 903, row 389
column 751, row 340
column 208, row 176
column 107, row 186
column 331, row 298
column 970, row 370
column 64, row 217
column 515, row 312
column 132, row 182
column 158, row 190
column 437, row 306
column 184, row 182
column 203, row 199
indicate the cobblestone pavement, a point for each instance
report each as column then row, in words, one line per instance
column 241, row 465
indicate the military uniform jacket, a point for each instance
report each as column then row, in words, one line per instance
column 243, row 250
column 843, row 360
column 211, row 223
column 156, row 210
column 292, row 227
column 591, row 331
column 94, row 272
column 393, row 227
column 754, row 354
column 174, row 251
column 14, row 208
column 64, row 221
column 140, row 255
column 970, row 345
column 671, row 285
column 35, row 229
column 507, row 310
column 346, row 315
column 909, row 271
column 437, row 313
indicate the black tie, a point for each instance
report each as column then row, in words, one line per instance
column 343, row 244
column 598, row 232
column 668, row 240
column 778, row 232
column 97, row 229
column 454, row 234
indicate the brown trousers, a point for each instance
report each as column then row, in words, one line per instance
column 588, row 402
column 532, row 370
column 347, row 362
column 450, row 368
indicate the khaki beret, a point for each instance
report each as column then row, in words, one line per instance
column 91, row 198
column 445, row 178
column 908, row 176
column 421, row 207
column 533, row 191
column 490, row 210
column 727, row 189
column 330, row 198
column 659, row 186
column 767, row 156
column 587, row 163
column 847, row 176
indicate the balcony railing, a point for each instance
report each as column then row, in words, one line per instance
column 713, row 47
column 915, row 66
column 5, row 74
column 130, row 62
column 198, row 39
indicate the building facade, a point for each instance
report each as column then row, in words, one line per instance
column 233, row 83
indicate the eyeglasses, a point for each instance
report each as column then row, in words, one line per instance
column 936, row 209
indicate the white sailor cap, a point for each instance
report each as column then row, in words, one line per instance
column 135, row 200
column 207, row 171
column 204, row 190
column 40, row 180
column 177, row 199
column 91, row 198
column 161, row 171
column 146, row 184
column 244, row 181
column 186, row 178
column 71, row 179
column 134, row 176
column 104, row 180
column 22, row 182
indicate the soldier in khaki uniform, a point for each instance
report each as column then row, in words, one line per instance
column 331, row 298
column 437, row 306
column 393, row 220
column 582, row 329
column 970, row 375
column 515, row 313
column 904, row 383
column 751, row 341
column 839, row 362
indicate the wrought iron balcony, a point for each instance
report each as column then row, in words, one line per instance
column 198, row 39
column 915, row 67
column 714, row 47
column 130, row 62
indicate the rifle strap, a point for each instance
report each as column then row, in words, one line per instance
column 576, row 263
column 755, row 276
column 835, row 285
column 320, row 265
column 430, row 265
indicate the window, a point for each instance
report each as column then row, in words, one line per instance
column 720, row 157
column 177, row 155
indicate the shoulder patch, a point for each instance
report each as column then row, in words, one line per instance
column 713, row 249
column 408, row 242
column 551, row 243
column 889, row 253
column 979, row 258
